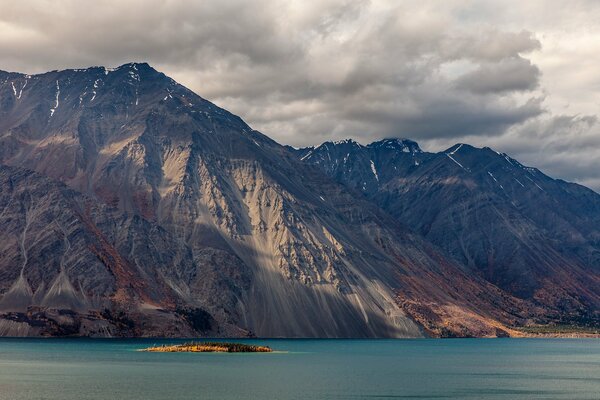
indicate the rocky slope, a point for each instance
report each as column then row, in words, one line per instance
column 78, row 267
column 200, row 225
column 533, row 236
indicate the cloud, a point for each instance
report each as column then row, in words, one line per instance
column 304, row 72
column 510, row 75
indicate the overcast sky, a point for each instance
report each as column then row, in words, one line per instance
column 522, row 76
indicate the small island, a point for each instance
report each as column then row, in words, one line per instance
column 209, row 347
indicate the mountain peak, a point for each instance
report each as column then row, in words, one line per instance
column 136, row 66
column 459, row 147
column 337, row 143
column 344, row 142
column 401, row 144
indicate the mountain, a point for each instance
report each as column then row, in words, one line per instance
column 140, row 206
column 535, row 237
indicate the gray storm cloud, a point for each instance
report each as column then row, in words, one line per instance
column 305, row 72
column 513, row 74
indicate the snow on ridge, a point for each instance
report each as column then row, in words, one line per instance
column 342, row 141
column 346, row 141
column 405, row 145
column 457, row 149
column 109, row 70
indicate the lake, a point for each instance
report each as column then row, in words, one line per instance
column 81, row 369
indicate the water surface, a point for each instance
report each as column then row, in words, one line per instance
column 85, row 369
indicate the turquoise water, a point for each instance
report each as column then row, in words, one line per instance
column 81, row 369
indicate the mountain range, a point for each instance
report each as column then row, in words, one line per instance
column 131, row 206
column 532, row 236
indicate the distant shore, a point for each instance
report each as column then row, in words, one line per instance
column 558, row 331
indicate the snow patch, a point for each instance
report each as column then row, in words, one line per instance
column 53, row 110
column 23, row 87
column 453, row 159
column 455, row 150
column 306, row 156
column 519, row 182
column 95, row 87
column 81, row 96
column 538, row 186
column 374, row 170
column 134, row 76
column 459, row 164
column 532, row 171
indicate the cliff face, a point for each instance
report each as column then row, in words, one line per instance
column 179, row 216
column 535, row 237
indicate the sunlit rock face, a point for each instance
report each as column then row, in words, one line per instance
column 535, row 237
column 153, row 212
